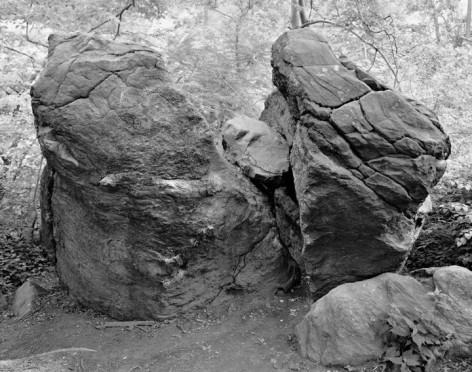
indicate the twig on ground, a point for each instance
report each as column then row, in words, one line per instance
column 72, row 349
column 129, row 324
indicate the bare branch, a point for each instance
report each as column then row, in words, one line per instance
column 394, row 71
column 119, row 15
column 373, row 61
column 19, row 52
column 224, row 14
column 29, row 39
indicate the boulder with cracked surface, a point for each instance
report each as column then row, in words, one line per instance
column 363, row 159
column 145, row 217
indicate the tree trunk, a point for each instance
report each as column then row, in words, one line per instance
column 205, row 15
column 303, row 17
column 294, row 15
column 467, row 20
column 236, row 47
column 437, row 32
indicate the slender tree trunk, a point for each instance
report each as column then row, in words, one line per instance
column 437, row 32
column 467, row 20
column 236, row 47
column 303, row 17
column 205, row 15
column 294, row 15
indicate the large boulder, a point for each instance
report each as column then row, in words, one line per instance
column 363, row 160
column 348, row 325
column 142, row 212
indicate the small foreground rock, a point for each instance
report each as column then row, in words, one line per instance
column 346, row 326
column 25, row 300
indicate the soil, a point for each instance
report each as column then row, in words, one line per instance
column 250, row 334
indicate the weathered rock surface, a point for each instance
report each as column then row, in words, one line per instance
column 345, row 326
column 363, row 160
column 144, row 214
column 261, row 153
column 277, row 115
column 25, row 300
column 287, row 214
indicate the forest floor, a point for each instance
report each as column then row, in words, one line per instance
column 251, row 334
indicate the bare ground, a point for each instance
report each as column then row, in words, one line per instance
column 251, row 334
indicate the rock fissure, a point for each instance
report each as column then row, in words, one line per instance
column 61, row 81
column 83, row 95
column 353, row 150
column 47, row 213
column 373, row 125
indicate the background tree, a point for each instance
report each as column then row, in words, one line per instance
column 218, row 52
column 468, row 20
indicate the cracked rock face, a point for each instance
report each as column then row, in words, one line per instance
column 363, row 159
column 144, row 215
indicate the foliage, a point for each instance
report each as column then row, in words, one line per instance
column 19, row 260
column 20, row 161
column 445, row 238
column 220, row 55
column 410, row 345
column 459, row 211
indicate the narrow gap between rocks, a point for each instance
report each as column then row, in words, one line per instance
column 291, row 266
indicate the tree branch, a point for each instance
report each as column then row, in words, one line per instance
column 30, row 40
column 372, row 45
column 216, row 10
column 19, row 52
column 119, row 16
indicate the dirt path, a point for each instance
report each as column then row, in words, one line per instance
column 252, row 334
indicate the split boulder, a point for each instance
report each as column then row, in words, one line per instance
column 363, row 160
